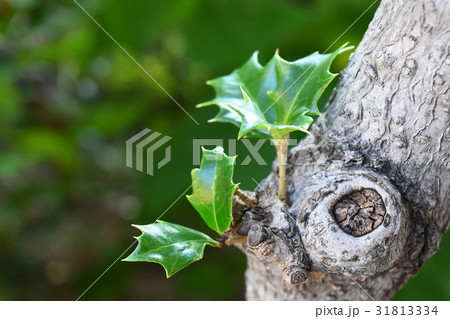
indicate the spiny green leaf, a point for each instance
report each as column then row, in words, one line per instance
column 213, row 189
column 170, row 245
column 274, row 99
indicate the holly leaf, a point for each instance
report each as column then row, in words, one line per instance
column 213, row 189
column 170, row 245
column 275, row 99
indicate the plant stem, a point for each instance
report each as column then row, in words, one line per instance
column 235, row 240
column 281, row 145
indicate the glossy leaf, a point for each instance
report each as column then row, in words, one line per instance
column 213, row 189
column 170, row 245
column 275, row 99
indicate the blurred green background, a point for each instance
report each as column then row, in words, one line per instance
column 70, row 98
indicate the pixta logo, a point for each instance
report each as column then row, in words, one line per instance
column 143, row 145
column 252, row 149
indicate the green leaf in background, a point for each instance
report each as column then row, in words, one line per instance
column 170, row 245
column 275, row 99
column 213, row 189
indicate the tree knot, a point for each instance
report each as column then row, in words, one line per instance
column 359, row 212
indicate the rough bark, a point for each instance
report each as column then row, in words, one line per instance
column 369, row 188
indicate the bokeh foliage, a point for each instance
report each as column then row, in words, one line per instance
column 69, row 99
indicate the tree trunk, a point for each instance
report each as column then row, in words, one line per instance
column 369, row 188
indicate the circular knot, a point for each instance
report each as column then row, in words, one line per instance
column 360, row 212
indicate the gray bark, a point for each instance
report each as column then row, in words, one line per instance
column 369, row 188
